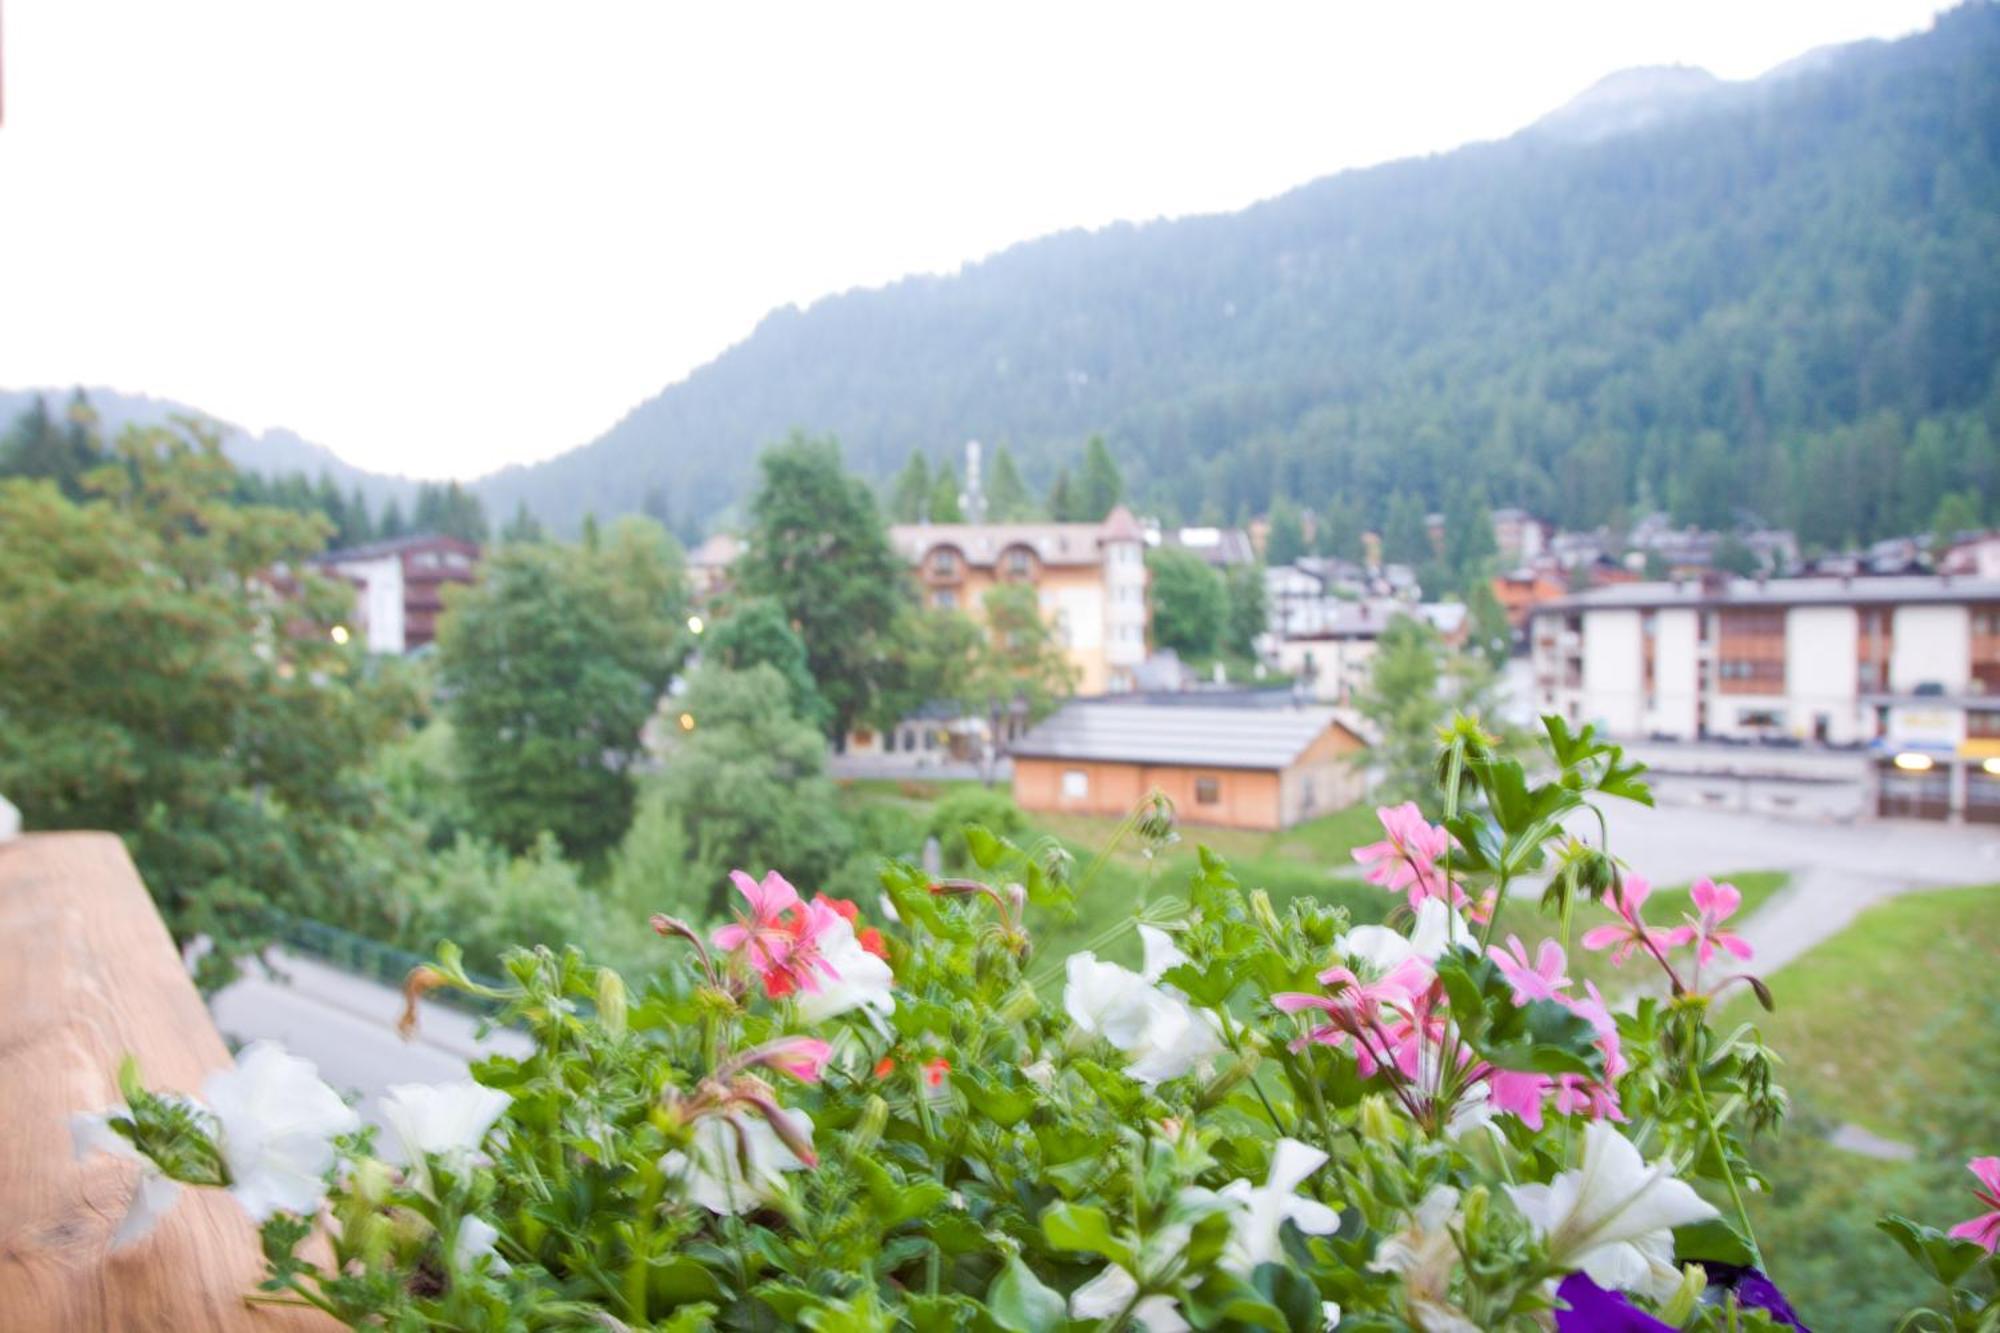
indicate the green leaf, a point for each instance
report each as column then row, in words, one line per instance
column 1292, row 1294
column 1073, row 1226
column 1019, row 1302
column 986, row 849
column 1005, row 1107
column 1945, row 1258
column 1712, row 1241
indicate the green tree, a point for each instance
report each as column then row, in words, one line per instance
column 449, row 510
column 1019, row 671
column 153, row 687
column 1956, row 513
column 1490, row 633
column 1286, row 540
column 1248, row 610
column 1062, row 498
column 523, row 527
column 1732, row 556
column 393, row 523
column 944, row 496
column 646, row 570
column 36, row 445
column 817, row 548
column 1340, row 531
column 549, row 685
column 1469, row 543
column 1414, row 687
column 754, row 633
column 1190, row 603
column 910, row 499
column 1405, row 538
column 1099, row 486
column 1007, row 497
column 747, row 782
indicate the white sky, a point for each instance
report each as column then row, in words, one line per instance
column 441, row 237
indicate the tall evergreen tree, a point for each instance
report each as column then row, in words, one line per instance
column 1007, row 497
column 523, row 528
column 1340, row 530
column 1099, row 486
column 1062, row 498
column 393, row 523
column 910, row 498
column 944, row 507
column 1286, row 540
column 1405, row 538
column 1190, row 603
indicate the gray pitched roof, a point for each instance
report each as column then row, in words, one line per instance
column 1262, row 738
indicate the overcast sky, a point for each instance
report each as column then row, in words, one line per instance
column 441, row 237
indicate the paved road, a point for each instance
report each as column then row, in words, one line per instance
column 1836, row 869
column 347, row 1026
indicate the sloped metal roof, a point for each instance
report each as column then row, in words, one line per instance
column 1261, row 738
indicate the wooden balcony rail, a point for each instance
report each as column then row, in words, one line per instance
column 91, row 976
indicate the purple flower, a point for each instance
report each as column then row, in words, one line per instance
column 1753, row 1291
column 1592, row 1309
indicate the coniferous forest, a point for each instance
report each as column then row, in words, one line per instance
column 1781, row 301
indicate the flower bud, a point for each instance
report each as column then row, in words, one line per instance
column 1018, row 1006
column 1473, row 1209
column 1694, row 1281
column 611, row 1001
column 1378, row 1122
column 371, row 1181
column 867, row 1131
column 1265, row 915
column 420, row 980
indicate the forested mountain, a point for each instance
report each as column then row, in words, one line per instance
column 1784, row 298
column 274, row 453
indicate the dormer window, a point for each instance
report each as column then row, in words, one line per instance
column 944, row 564
column 1018, row 565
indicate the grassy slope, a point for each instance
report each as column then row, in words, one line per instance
column 1892, row 1025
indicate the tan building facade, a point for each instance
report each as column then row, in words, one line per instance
column 1089, row 578
column 1247, row 768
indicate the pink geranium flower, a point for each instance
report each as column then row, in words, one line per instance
column 764, row 931
column 1355, row 1009
column 779, row 934
column 1406, row 861
column 1544, row 980
column 1520, row 1092
column 1984, row 1229
column 1630, row 932
column 1716, row 903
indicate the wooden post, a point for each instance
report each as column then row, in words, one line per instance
column 90, row 975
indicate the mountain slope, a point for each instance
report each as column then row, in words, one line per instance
column 1725, row 310
column 275, row 453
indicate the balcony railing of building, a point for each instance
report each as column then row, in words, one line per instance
column 92, row 977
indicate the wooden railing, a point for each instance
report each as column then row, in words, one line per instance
column 89, row 975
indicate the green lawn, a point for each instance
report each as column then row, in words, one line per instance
column 1891, row 1025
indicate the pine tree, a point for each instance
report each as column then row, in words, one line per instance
column 1062, row 502
column 393, row 524
column 1286, row 541
column 910, row 500
column 1099, row 487
column 523, row 527
column 944, row 496
column 1007, row 498
column 1405, row 538
column 1340, row 531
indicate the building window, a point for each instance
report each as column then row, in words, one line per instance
column 1982, row 724
column 944, row 564
column 1208, row 791
column 1017, row 564
column 1075, row 784
column 944, row 599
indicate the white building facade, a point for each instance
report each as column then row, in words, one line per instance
column 1909, row 666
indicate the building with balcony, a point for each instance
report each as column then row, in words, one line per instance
column 1089, row 578
column 1908, row 666
column 399, row 586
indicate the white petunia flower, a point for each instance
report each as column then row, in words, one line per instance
column 1424, row 1253
column 1613, row 1217
column 152, row 1198
column 1162, row 1035
column 1253, row 1237
column 448, row 1120
column 277, row 1122
column 850, row 977
column 478, row 1239
column 1109, row 1294
column 725, row 1173
column 1382, row 949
